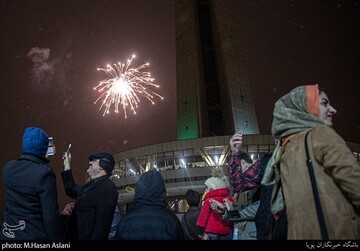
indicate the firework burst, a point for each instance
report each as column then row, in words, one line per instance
column 124, row 86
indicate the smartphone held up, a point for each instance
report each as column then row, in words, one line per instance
column 51, row 147
column 244, row 127
column 68, row 149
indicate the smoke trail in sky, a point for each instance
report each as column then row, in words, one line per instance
column 42, row 70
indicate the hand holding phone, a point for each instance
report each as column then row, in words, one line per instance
column 67, row 153
column 68, row 149
column 67, row 158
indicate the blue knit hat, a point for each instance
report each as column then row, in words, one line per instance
column 35, row 141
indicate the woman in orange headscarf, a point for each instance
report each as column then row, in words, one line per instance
column 337, row 172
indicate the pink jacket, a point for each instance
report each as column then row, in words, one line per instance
column 210, row 220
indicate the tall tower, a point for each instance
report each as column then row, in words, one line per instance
column 213, row 92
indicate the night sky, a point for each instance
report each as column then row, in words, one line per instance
column 50, row 52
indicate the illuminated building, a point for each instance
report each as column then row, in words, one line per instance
column 213, row 101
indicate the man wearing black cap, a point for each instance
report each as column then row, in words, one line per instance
column 95, row 203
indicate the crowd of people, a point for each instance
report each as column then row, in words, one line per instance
column 308, row 188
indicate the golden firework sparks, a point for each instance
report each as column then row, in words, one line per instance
column 124, row 86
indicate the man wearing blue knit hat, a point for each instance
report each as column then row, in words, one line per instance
column 31, row 209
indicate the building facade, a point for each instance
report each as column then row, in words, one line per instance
column 185, row 164
column 213, row 101
column 213, row 91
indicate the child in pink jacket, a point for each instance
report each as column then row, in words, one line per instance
column 209, row 221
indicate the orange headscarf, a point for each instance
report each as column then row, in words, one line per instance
column 312, row 99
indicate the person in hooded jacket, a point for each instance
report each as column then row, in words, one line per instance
column 31, row 208
column 150, row 219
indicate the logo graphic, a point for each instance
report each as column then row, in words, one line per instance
column 8, row 230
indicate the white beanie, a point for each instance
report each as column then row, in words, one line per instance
column 215, row 183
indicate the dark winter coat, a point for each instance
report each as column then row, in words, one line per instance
column 94, row 207
column 31, row 208
column 188, row 222
column 149, row 219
